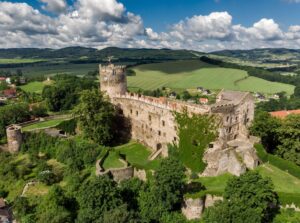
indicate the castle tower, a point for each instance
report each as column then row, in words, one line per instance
column 14, row 138
column 113, row 80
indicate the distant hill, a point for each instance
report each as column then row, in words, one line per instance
column 82, row 53
column 266, row 55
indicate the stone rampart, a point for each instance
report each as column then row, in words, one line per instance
column 14, row 138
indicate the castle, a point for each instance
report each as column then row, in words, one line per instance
column 154, row 125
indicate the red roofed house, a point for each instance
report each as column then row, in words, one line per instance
column 203, row 100
column 284, row 113
column 2, row 79
column 10, row 93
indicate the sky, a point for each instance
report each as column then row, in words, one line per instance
column 202, row 25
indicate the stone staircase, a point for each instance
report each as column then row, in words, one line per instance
column 155, row 154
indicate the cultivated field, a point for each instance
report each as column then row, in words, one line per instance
column 50, row 70
column 18, row 61
column 192, row 74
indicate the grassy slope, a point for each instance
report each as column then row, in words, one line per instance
column 44, row 124
column 285, row 184
column 18, row 61
column 191, row 74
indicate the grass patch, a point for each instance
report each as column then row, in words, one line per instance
column 112, row 161
column 39, row 189
column 192, row 73
column 42, row 125
column 33, row 87
column 137, row 155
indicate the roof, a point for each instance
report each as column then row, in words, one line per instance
column 203, row 100
column 9, row 92
column 2, row 203
column 284, row 113
column 232, row 96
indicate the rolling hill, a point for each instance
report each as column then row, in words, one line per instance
column 194, row 73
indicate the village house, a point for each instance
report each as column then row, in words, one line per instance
column 203, row 101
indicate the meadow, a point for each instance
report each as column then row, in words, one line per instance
column 192, row 74
column 20, row 61
column 33, row 87
column 53, row 69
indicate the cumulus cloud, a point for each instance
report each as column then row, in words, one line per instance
column 55, row 6
column 99, row 24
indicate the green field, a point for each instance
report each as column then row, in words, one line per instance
column 50, row 70
column 18, row 61
column 192, row 74
column 33, row 87
column 42, row 125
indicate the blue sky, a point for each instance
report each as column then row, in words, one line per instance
column 202, row 24
column 160, row 13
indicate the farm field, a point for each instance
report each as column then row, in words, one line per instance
column 18, row 61
column 51, row 70
column 192, row 74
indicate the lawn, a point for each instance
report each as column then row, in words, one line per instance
column 43, row 124
column 137, row 155
column 112, row 161
column 192, row 74
column 33, row 87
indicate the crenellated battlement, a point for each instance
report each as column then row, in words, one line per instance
column 165, row 103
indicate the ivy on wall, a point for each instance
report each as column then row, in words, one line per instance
column 195, row 133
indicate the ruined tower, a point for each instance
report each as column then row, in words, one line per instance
column 14, row 138
column 113, row 80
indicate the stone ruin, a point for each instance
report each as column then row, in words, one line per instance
column 153, row 123
column 14, row 138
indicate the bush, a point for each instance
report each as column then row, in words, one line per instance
column 68, row 126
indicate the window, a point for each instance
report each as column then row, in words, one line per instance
column 130, row 111
column 149, row 117
column 159, row 133
column 136, row 113
column 175, row 139
column 163, row 123
column 227, row 119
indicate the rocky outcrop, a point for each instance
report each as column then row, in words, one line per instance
column 238, row 156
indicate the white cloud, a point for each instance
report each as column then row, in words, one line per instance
column 95, row 23
column 55, row 6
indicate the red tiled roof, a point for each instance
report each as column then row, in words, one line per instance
column 203, row 100
column 283, row 114
column 9, row 92
column 2, row 78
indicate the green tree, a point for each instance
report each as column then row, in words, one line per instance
column 96, row 116
column 53, row 208
column 165, row 193
column 248, row 198
column 265, row 126
column 95, row 197
column 289, row 139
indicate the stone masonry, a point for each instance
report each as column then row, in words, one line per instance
column 153, row 122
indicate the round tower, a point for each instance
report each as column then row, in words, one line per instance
column 14, row 138
column 113, row 80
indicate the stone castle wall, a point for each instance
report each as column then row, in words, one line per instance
column 153, row 122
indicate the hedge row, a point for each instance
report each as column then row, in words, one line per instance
column 280, row 163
